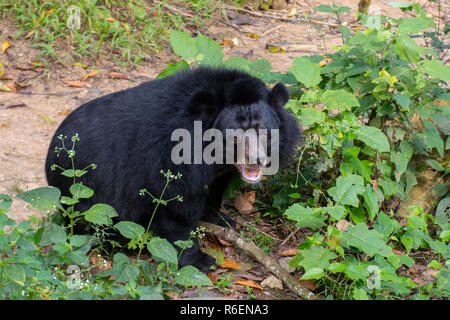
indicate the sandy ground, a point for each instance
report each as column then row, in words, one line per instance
column 28, row 121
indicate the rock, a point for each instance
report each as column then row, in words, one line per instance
column 284, row 264
column 272, row 282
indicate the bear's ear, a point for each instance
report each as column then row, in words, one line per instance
column 279, row 95
column 202, row 102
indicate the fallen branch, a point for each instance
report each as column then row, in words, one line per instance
column 251, row 249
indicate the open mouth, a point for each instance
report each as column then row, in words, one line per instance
column 251, row 174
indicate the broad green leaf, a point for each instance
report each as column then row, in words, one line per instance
column 149, row 293
column 347, row 190
column 385, row 225
column 373, row 137
column 305, row 217
column 324, row 8
column 339, row 99
column 336, row 212
column 416, row 222
column 316, row 257
column 360, row 294
column 442, row 216
column 58, row 233
column 408, row 49
column 162, row 250
column 434, row 164
column 313, row 273
column 79, row 257
column 183, row 44
column 370, row 242
column 260, row 67
column 309, row 116
column 173, row 68
column 356, row 272
column 432, row 137
column 5, row 203
column 15, row 273
column 414, row 25
column 191, row 276
column 80, row 191
column 436, row 69
column 130, row 230
column 44, row 198
column 399, row 4
column 306, row 72
column 78, row 240
column 73, row 173
column 403, row 99
column 371, row 202
column 237, row 63
column 101, row 214
column 209, row 52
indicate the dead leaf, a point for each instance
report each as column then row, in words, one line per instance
column 248, row 283
column 289, row 252
column 4, row 88
column 343, row 225
column 309, row 284
column 99, row 262
column 5, row 46
column 398, row 253
column 275, row 49
column 230, row 264
column 3, row 125
column 78, row 64
column 224, row 243
column 12, row 86
column 324, row 62
column 75, row 84
column 110, row 19
column 252, row 35
column 213, row 277
column 252, row 277
column 5, row 77
column 89, row 75
column 172, row 294
column 244, row 202
column 118, row 75
column 292, row 13
column 48, row 119
column 64, row 113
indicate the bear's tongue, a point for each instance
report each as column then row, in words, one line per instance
column 251, row 174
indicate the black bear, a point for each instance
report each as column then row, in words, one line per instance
column 129, row 135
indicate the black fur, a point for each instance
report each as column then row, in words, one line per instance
column 127, row 134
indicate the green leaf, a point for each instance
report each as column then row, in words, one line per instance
column 403, row 99
column 336, row 212
column 173, row 68
column 417, row 222
column 360, row 294
column 436, row 69
column 305, row 217
column 399, row 4
column 432, row 137
column 191, row 276
column 57, row 233
column 309, row 116
column 149, row 293
column 5, row 204
column 162, row 250
column 435, row 165
column 183, row 44
column 80, row 191
column 15, row 273
column 316, row 257
column 339, row 99
column 408, row 49
column 442, row 216
column 78, row 240
column 260, row 67
column 209, row 52
column 356, row 272
column 101, row 214
column 44, row 198
column 371, row 202
column 79, row 257
column 385, row 225
column 313, row 273
column 347, row 190
column 238, row 63
column 130, row 230
column 324, row 8
column 370, row 242
column 414, row 25
column 373, row 137
column 306, row 72
column 73, row 173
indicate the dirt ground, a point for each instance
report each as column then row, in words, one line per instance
column 30, row 116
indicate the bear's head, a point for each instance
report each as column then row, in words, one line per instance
column 248, row 125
